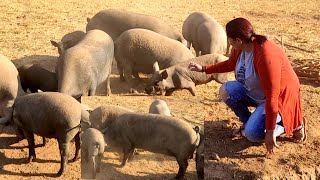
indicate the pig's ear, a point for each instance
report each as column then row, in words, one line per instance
column 156, row 67
column 54, row 43
column 78, row 97
column 88, row 19
column 164, row 74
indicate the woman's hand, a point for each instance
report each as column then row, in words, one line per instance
column 195, row 67
column 270, row 141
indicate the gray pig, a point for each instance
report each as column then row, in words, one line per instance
column 205, row 34
column 52, row 115
column 9, row 84
column 100, row 116
column 69, row 40
column 137, row 50
column 92, row 149
column 180, row 77
column 115, row 22
column 159, row 134
column 34, row 77
column 85, row 67
column 159, row 106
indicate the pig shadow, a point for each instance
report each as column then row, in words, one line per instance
column 218, row 170
column 218, row 139
column 45, row 61
column 110, row 171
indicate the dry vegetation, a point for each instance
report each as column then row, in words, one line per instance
column 27, row 27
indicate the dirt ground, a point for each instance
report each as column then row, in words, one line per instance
column 28, row 26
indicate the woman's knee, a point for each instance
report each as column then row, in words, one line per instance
column 223, row 93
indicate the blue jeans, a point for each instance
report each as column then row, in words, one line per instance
column 254, row 123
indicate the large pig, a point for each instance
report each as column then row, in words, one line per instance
column 9, row 83
column 205, row 34
column 154, row 133
column 53, row 115
column 180, row 77
column 115, row 22
column 159, row 106
column 85, row 67
column 35, row 77
column 92, row 149
column 137, row 50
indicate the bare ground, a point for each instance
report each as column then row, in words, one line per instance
column 28, row 26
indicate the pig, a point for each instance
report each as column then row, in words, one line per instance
column 176, row 77
column 9, row 85
column 52, row 115
column 69, row 40
column 86, row 67
column 35, row 77
column 136, row 50
column 191, row 24
column 200, row 158
column 205, row 34
column 92, row 149
column 155, row 133
column 115, row 22
column 100, row 116
column 159, row 106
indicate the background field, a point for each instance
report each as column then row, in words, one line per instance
column 26, row 30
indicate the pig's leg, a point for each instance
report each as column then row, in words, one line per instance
column 183, row 164
column 127, row 151
column 131, row 154
column 94, row 167
column 92, row 90
column 77, row 144
column 30, row 138
column 64, row 152
column 192, row 90
column 130, row 80
column 108, row 86
column 100, row 156
column 120, row 70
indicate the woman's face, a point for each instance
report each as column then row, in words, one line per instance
column 235, row 43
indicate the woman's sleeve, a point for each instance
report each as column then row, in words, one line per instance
column 269, row 70
column 225, row 66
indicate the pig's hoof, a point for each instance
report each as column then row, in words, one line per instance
column 133, row 91
column 31, row 159
column 73, row 159
column 59, row 173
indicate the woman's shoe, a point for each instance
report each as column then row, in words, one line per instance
column 300, row 133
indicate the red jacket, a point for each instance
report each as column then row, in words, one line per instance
column 278, row 80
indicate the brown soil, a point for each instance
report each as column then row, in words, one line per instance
column 28, row 26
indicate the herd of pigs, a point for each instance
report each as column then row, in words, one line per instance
column 138, row 44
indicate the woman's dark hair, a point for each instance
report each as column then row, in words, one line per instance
column 242, row 29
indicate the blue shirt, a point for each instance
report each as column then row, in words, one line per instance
column 245, row 73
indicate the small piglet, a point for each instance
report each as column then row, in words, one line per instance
column 155, row 133
column 159, row 106
column 92, row 149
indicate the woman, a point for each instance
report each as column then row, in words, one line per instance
column 265, row 80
